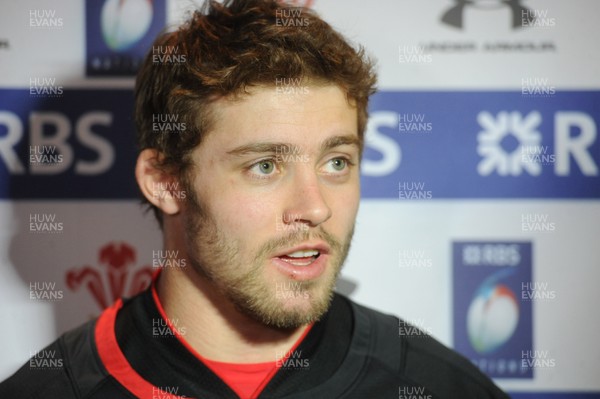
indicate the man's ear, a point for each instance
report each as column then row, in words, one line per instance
column 158, row 186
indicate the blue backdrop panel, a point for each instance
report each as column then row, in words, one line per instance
column 439, row 136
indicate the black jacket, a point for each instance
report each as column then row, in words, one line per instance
column 353, row 352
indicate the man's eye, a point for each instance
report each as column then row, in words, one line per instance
column 338, row 164
column 265, row 167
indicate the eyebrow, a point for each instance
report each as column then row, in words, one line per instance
column 270, row 147
column 337, row 141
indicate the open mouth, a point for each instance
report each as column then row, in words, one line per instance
column 301, row 258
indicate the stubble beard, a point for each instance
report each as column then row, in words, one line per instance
column 217, row 259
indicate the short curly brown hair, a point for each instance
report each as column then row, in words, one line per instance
column 224, row 48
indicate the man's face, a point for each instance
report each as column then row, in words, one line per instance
column 273, row 199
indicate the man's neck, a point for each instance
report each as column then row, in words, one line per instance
column 213, row 326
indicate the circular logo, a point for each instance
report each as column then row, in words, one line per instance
column 125, row 22
column 492, row 317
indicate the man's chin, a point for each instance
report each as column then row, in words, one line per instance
column 296, row 315
column 288, row 309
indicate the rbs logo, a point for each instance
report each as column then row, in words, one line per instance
column 483, row 144
column 530, row 154
column 49, row 133
column 570, row 144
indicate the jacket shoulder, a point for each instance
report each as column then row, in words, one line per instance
column 67, row 368
column 419, row 358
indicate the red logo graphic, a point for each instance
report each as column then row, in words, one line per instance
column 118, row 260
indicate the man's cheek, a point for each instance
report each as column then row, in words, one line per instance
column 246, row 216
column 345, row 205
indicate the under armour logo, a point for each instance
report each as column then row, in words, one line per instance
column 521, row 16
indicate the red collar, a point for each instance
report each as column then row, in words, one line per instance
column 121, row 370
column 114, row 360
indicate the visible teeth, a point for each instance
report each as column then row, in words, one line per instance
column 303, row 254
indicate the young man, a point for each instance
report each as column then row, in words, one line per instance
column 257, row 190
